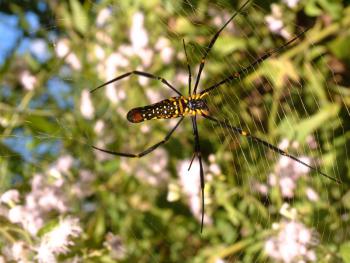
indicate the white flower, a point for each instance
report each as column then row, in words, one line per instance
column 16, row 214
column 16, row 252
column 288, row 212
column 103, row 16
column 103, row 37
column 111, row 94
column 139, row 40
column 27, row 80
column 261, row 188
column 20, row 251
column 29, row 219
column 62, row 48
column 173, row 192
column 291, row 243
column 215, row 168
column 47, row 195
column 113, row 62
column 58, row 240
column 143, row 81
column 10, row 197
column 312, row 194
column 181, row 78
column 275, row 23
column 311, row 141
column 82, row 187
column 100, row 156
column 212, row 158
column 126, row 50
column 99, row 126
column 291, row 3
column 117, row 60
column 166, row 52
column 73, row 61
column 86, row 107
column 146, row 55
column 287, row 185
column 64, row 163
column 287, row 172
column 99, row 52
column 49, row 200
column 153, row 96
column 155, row 173
column 190, row 181
column 145, row 128
column 115, row 246
column 45, row 254
column 138, row 34
column 284, row 144
column 300, row 168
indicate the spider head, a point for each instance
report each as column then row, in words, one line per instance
column 197, row 104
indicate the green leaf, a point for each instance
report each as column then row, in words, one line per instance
column 345, row 252
column 227, row 44
column 41, row 124
column 80, row 19
column 282, row 69
column 49, row 226
column 309, row 125
column 340, row 47
column 183, row 26
column 346, row 200
column 312, row 8
column 316, row 121
column 332, row 7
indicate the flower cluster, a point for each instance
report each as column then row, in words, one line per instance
column 190, row 184
column 292, row 241
column 287, row 172
column 46, row 197
column 275, row 22
column 58, row 240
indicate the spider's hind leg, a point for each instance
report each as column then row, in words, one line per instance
column 139, row 73
column 145, row 152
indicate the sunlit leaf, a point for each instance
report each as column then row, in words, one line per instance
column 79, row 16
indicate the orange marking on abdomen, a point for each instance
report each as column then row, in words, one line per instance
column 135, row 116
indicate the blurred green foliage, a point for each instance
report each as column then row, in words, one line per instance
column 301, row 92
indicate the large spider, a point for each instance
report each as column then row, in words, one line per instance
column 195, row 105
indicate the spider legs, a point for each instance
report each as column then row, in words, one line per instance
column 268, row 145
column 188, row 68
column 139, row 73
column 211, row 44
column 197, row 152
column 145, row 152
column 237, row 75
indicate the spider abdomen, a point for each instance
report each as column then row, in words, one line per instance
column 164, row 109
column 169, row 108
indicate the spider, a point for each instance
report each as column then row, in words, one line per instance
column 195, row 105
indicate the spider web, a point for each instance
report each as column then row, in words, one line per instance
column 149, row 209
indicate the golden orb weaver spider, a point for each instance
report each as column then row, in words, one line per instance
column 194, row 104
